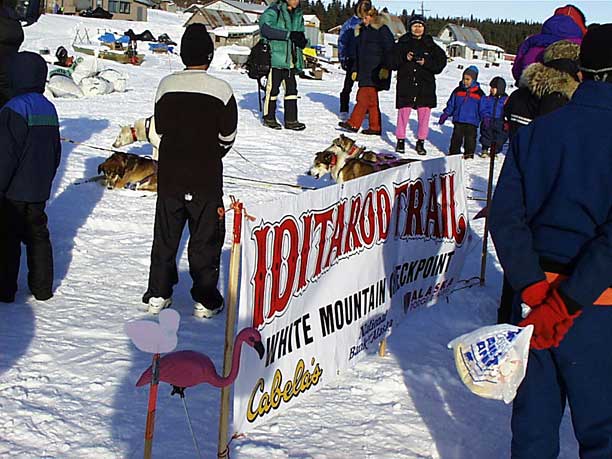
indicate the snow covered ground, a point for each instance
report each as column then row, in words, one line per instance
column 67, row 369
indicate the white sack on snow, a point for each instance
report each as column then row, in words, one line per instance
column 85, row 67
column 64, row 86
column 94, row 86
column 492, row 361
column 116, row 78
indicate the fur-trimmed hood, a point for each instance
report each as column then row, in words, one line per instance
column 382, row 19
column 542, row 80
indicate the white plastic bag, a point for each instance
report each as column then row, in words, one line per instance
column 116, row 78
column 492, row 361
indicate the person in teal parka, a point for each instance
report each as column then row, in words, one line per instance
column 282, row 24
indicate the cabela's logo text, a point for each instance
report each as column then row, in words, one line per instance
column 270, row 400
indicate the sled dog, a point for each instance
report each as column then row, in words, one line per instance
column 142, row 131
column 344, row 161
column 126, row 170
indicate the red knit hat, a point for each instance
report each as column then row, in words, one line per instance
column 574, row 13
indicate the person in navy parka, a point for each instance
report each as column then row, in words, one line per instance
column 347, row 52
column 463, row 107
column 30, row 152
column 551, row 222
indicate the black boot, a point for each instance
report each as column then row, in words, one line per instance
column 420, row 147
column 272, row 123
column 347, row 127
column 401, row 146
column 295, row 125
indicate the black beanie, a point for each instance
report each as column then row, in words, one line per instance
column 196, row 46
column 416, row 19
column 596, row 51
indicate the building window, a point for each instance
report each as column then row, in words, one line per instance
column 119, row 7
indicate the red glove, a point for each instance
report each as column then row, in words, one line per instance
column 551, row 321
column 535, row 294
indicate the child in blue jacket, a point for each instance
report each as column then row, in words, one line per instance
column 464, row 107
column 492, row 129
column 30, row 152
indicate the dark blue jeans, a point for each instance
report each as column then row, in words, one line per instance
column 579, row 371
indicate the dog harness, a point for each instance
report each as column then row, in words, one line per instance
column 148, row 128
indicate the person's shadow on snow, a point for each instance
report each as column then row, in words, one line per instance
column 249, row 102
column 15, row 340
column 70, row 208
column 460, row 426
column 172, row 438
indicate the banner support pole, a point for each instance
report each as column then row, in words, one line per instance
column 485, row 237
column 230, row 328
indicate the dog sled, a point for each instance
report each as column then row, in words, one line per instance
column 123, row 57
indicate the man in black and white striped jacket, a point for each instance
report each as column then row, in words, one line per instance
column 196, row 117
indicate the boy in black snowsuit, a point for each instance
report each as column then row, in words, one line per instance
column 30, row 153
column 493, row 126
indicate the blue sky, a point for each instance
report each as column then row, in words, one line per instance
column 538, row 10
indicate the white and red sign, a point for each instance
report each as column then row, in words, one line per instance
column 326, row 274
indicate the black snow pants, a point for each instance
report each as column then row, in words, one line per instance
column 345, row 95
column 463, row 134
column 206, row 223
column 287, row 78
column 25, row 222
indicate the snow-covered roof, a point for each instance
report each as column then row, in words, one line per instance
column 464, row 34
column 235, row 30
column 312, row 18
column 244, row 6
column 213, row 19
column 476, row 46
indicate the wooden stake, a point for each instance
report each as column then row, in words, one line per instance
column 230, row 328
column 485, row 237
column 382, row 349
column 150, row 428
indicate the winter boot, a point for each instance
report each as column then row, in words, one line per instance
column 371, row 132
column 420, row 148
column 295, row 125
column 347, row 127
column 401, row 146
column 202, row 312
column 484, row 153
column 157, row 303
column 466, row 156
column 272, row 123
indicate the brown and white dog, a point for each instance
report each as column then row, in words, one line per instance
column 344, row 161
column 126, row 170
column 142, row 131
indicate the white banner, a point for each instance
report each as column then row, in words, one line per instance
column 326, row 275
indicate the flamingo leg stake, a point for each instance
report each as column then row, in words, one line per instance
column 181, row 392
column 148, row 447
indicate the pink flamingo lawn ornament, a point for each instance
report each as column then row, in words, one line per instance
column 189, row 368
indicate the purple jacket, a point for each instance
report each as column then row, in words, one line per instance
column 554, row 29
